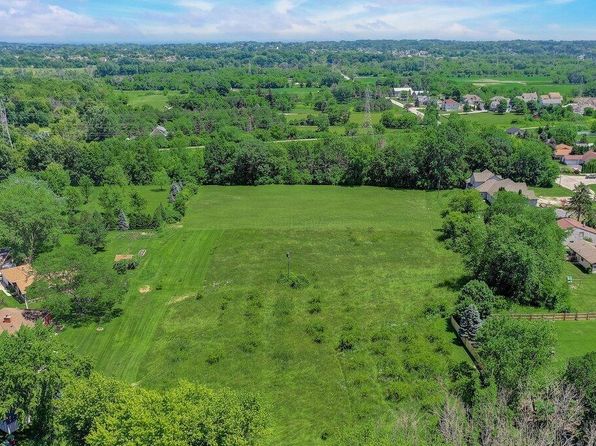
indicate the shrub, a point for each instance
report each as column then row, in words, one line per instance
column 292, row 280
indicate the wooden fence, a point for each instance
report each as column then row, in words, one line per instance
column 468, row 346
column 556, row 316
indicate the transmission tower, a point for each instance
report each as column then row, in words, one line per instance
column 4, row 124
column 367, row 118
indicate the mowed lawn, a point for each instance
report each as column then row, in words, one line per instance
column 366, row 337
column 155, row 99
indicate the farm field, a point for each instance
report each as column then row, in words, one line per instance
column 509, row 85
column 216, row 313
column 152, row 194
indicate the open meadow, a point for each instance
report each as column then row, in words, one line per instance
column 366, row 332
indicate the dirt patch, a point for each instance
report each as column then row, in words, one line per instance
column 144, row 289
column 177, row 299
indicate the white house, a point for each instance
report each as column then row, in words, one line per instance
column 551, row 99
column 583, row 253
column 576, row 231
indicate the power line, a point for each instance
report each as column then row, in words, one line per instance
column 4, row 124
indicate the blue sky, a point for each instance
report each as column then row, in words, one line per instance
column 293, row 20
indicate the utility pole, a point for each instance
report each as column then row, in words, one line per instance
column 367, row 118
column 289, row 256
column 4, row 124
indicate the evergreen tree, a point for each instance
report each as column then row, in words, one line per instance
column 470, row 322
column 92, row 231
column 580, row 203
column 174, row 190
column 122, row 221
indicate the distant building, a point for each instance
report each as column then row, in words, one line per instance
column 422, row 100
column 159, row 131
column 473, row 101
column 551, row 99
column 562, row 150
column 529, row 97
column 580, row 104
column 495, row 101
column 450, row 105
column 579, row 160
column 514, row 131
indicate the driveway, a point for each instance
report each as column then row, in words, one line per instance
column 570, row 181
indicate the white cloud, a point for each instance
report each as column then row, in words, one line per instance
column 195, row 5
column 559, row 2
column 32, row 19
column 212, row 20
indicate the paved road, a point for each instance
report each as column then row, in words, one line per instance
column 570, row 181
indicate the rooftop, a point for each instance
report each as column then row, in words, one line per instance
column 572, row 223
column 584, row 249
column 21, row 276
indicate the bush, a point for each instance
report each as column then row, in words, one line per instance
column 292, row 280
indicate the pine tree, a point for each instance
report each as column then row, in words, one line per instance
column 581, row 202
column 122, row 221
column 159, row 217
column 470, row 322
column 174, row 190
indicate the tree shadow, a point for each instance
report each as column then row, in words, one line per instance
column 454, row 284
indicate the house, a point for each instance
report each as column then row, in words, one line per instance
column 18, row 279
column 583, row 253
column 579, row 160
column 478, row 178
column 473, row 101
column 572, row 160
column 588, row 156
column 403, row 91
column 576, row 231
column 495, row 101
column 514, row 131
column 489, row 188
column 551, row 99
column 562, row 150
column 580, row 104
column 529, row 97
column 450, row 105
column 159, row 131
column 422, row 100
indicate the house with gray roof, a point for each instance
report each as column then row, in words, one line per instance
column 494, row 184
column 583, row 253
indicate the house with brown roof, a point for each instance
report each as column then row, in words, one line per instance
column 478, row 178
column 578, row 160
column 529, row 97
column 489, row 188
column 551, row 99
column 562, row 150
column 576, row 231
column 18, row 279
column 473, row 101
column 583, row 253
column 450, row 105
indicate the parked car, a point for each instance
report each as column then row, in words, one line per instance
column 591, row 176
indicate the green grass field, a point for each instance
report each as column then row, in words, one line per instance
column 155, row 99
column 554, row 191
column 152, row 194
column 216, row 313
column 504, row 121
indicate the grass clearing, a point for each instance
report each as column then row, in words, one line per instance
column 217, row 314
column 554, row 191
column 155, row 99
